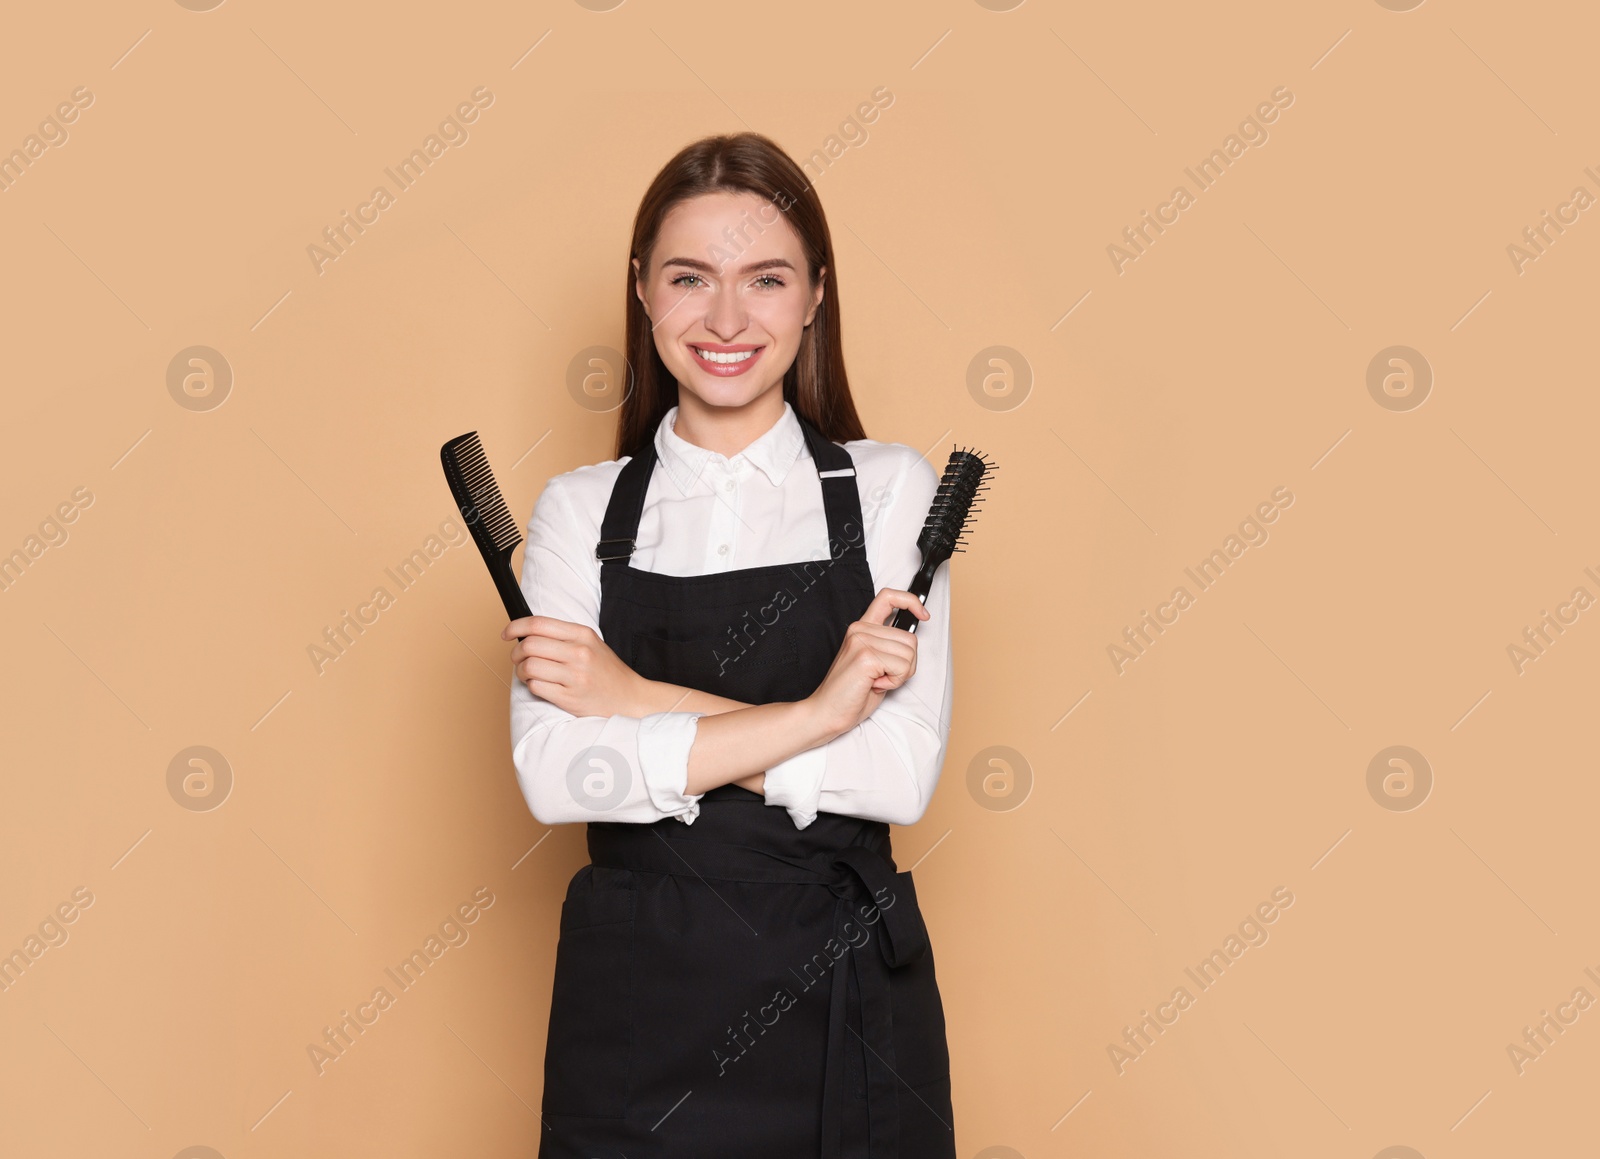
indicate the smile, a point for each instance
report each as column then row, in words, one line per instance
column 727, row 361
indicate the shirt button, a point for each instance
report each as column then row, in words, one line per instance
column 728, row 486
column 723, row 549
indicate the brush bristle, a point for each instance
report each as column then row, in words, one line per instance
column 478, row 497
column 964, row 477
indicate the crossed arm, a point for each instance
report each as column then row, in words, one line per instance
column 659, row 696
column 569, row 665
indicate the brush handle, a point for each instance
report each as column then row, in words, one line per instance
column 919, row 586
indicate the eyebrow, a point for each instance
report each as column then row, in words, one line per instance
column 707, row 267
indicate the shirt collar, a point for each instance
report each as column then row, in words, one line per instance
column 774, row 452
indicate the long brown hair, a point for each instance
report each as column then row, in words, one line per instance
column 815, row 383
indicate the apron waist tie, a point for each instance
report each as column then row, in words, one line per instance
column 887, row 898
column 863, row 880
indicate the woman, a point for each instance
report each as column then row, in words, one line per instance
column 733, row 979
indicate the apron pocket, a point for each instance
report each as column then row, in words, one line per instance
column 591, row 1006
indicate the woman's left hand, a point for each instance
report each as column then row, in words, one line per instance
column 571, row 666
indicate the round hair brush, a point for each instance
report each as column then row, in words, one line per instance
column 965, row 475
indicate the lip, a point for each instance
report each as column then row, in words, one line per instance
column 725, row 370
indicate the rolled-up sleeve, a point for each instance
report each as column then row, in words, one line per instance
column 589, row 768
column 887, row 767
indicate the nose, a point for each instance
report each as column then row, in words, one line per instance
column 726, row 316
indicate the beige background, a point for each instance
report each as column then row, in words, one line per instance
column 1162, row 405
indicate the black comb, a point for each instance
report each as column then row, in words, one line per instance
column 966, row 474
column 467, row 470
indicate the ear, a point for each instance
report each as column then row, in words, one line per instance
column 638, row 287
column 816, row 294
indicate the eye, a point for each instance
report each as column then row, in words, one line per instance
column 774, row 279
column 678, row 281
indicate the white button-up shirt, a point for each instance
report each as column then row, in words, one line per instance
column 705, row 513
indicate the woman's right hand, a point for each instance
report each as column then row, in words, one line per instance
column 873, row 659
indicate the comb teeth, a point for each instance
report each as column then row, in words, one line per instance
column 950, row 515
column 471, row 479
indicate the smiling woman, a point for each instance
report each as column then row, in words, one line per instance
column 737, row 227
column 709, row 641
column 763, row 299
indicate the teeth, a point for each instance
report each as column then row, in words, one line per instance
column 713, row 356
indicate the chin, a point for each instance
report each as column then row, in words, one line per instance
column 721, row 392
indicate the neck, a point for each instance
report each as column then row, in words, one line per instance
column 727, row 430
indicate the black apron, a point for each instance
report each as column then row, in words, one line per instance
column 738, row 988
